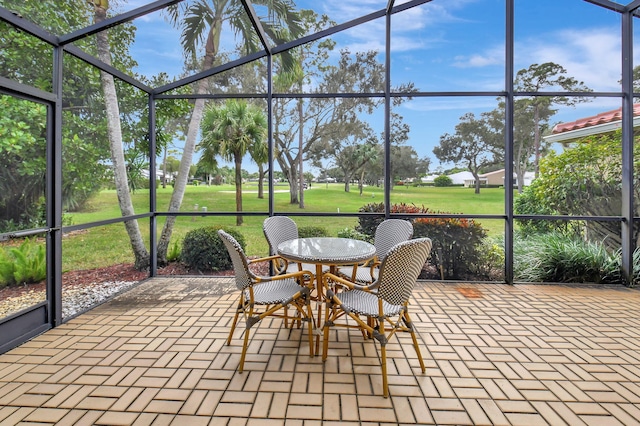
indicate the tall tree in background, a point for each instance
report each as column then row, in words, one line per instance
column 473, row 144
column 366, row 154
column 539, row 77
column 114, row 132
column 260, row 155
column 201, row 23
column 230, row 131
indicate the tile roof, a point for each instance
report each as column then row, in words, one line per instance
column 601, row 118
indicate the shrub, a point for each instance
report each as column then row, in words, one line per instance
column 26, row 263
column 457, row 243
column 312, row 231
column 367, row 224
column 204, row 251
column 173, row 254
column 531, row 202
column 353, row 234
column 442, row 181
column 555, row 257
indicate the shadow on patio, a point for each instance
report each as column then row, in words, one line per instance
column 495, row 354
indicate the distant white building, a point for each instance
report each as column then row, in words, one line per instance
column 159, row 174
column 492, row 178
column 429, row 179
column 462, row 178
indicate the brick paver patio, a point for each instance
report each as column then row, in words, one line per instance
column 495, row 354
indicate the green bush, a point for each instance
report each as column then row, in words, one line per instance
column 353, row 234
column 457, row 243
column 174, row 252
column 24, row 264
column 368, row 224
column 204, row 251
column 442, row 181
column 312, row 231
column 531, row 202
column 555, row 257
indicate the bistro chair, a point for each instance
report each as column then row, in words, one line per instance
column 389, row 233
column 385, row 302
column 274, row 293
column 278, row 229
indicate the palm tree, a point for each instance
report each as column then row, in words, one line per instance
column 260, row 155
column 114, row 132
column 202, row 21
column 230, row 131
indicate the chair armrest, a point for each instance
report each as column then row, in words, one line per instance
column 279, row 263
column 297, row 274
column 343, row 282
column 266, row 259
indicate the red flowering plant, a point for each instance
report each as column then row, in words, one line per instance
column 457, row 242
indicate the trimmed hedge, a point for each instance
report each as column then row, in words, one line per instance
column 312, row 231
column 204, row 251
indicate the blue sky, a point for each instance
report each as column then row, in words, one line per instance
column 450, row 45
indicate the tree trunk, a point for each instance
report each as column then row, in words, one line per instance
column 114, row 132
column 164, row 168
column 238, row 162
column 536, row 139
column 180, row 183
column 476, row 177
column 347, row 181
column 260, row 181
column 292, row 176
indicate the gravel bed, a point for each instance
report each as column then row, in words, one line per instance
column 75, row 298
column 86, row 288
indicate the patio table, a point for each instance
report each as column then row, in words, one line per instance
column 325, row 251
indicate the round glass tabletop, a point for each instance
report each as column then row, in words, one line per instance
column 327, row 250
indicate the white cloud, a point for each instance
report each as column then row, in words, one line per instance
column 591, row 55
column 490, row 57
column 450, row 104
column 404, row 26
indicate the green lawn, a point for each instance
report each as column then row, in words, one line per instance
column 109, row 244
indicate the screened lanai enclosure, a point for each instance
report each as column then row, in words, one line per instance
column 503, row 129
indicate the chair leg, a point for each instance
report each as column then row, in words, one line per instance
column 235, row 318
column 412, row 330
column 311, row 326
column 385, row 384
column 286, row 317
column 325, row 343
column 245, row 345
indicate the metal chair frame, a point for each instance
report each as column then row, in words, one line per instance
column 384, row 303
column 275, row 293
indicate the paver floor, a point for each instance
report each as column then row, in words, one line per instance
column 495, row 354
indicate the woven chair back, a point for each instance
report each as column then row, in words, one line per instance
column 278, row 229
column 401, row 268
column 240, row 264
column 389, row 233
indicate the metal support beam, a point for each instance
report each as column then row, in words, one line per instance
column 508, row 136
column 627, row 148
column 387, row 119
column 153, row 224
column 54, row 194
